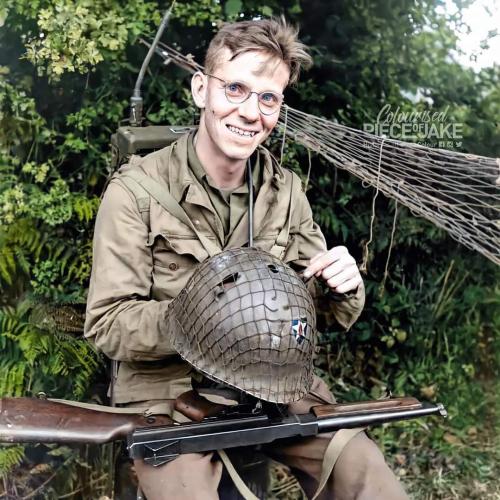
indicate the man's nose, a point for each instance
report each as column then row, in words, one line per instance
column 249, row 109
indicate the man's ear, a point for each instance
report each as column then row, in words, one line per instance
column 199, row 83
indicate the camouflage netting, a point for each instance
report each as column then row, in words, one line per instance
column 248, row 320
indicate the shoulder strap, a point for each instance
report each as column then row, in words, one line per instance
column 97, row 407
column 142, row 198
column 159, row 193
column 338, row 442
column 243, row 489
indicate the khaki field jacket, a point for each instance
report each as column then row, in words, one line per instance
column 137, row 270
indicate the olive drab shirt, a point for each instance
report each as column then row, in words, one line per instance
column 137, row 270
column 230, row 205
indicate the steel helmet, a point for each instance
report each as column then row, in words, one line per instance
column 247, row 319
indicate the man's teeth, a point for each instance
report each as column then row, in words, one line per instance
column 239, row 131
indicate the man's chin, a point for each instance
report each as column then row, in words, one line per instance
column 241, row 152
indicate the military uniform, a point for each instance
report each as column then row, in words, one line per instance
column 139, row 267
column 137, row 270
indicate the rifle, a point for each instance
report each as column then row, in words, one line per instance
column 157, row 439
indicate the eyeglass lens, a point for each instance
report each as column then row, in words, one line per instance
column 237, row 92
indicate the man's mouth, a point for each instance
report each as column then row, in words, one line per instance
column 241, row 132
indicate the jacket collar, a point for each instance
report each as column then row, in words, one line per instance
column 184, row 186
column 180, row 176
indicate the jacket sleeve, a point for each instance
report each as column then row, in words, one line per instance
column 308, row 240
column 121, row 319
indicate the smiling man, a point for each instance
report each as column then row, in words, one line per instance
column 144, row 255
column 240, row 104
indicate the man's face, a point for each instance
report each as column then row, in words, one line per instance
column 230, row 131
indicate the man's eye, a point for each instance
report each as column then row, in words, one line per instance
column 235, row 88
column 269, row 98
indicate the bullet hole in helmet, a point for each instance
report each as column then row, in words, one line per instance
column 226, row 283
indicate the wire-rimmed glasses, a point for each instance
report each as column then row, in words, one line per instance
column 237, row 92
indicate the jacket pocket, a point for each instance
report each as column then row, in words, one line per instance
column 163, row 244
column 174, row 261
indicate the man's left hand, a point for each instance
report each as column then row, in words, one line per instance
column 337, row 268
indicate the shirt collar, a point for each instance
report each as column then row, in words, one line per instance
column 202, row 177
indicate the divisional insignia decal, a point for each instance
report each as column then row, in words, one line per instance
column 299, row 329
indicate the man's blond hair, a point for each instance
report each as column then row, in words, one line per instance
column 272, row 36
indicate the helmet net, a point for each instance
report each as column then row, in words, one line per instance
column 247, row 319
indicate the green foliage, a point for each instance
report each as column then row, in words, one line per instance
column 78, row 472
column 10, row 457
column 197, row 13
column 38, row 359
column 77, row 35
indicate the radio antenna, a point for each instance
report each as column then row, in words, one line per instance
column 136, row 102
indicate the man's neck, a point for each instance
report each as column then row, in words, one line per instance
column 225, row 173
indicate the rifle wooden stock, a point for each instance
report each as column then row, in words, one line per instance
column 33, row 420
column 365, row 407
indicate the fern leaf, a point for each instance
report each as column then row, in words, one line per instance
column 10, row 457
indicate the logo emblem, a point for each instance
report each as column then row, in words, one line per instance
column 299, row 329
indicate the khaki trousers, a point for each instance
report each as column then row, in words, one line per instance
column 360, row 473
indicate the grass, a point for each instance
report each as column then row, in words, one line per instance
column 435, row 459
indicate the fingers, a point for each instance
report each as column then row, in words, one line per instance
column 349, row 285
column 307, row 273
column 324, row 259
column 337, row 267
column 341, row 277
column 317, row 256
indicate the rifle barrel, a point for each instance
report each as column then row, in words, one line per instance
column 163, row 444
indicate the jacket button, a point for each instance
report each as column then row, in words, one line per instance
column 173, row 266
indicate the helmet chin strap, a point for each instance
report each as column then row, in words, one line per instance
column 250, row 202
